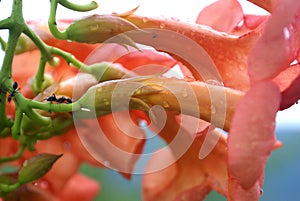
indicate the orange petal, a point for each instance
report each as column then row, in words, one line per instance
column 114, row 140
column 79, row 188
column 251, row 137
column 228, row 53
column 291, row 95
column 188, row 174
column 143, row 62
column 223, row 15
column 279, row 44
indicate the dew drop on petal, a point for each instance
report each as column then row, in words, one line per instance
column 99, row 89
column 175, row 19
column 286, row 33
column 184, row 93
column 67, row 144
column 43, row 184
column 106, row 163
column 85, row 109
column 189, row 78
column 214, row 82
column 145, row 19
column 213, row 109
column 162, row 25
column 192, row 33
column 261, row 191
column 165, row 104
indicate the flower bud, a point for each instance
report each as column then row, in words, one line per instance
column 105, row 71
column 101, row 28
column 36, row 167
column 24, row 44
column 48, row 80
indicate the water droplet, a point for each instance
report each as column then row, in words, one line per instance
column 286, row 33
column 189, row 78
column 261, row 191
column 165, row 104
column 85, row 109
column 106, row 163
column 138, row 92
column 43, row 184
column 162, row 25
column 193, row 33
column 67, row 145
column 35, row 183
column 145, row 19
column 94, row 27
column 184, row 92
column 213, row 109
column 241, row 67
column 240, row 24
column 214, row 82
column 175, row 19
column 99, row 89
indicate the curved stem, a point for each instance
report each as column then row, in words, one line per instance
column 17, row 155
column 16, row 128
column 51, row 107
column 81, row 8
column 52, row 22
column 9, row 187
column 69, row 58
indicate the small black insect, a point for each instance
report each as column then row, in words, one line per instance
column 62, row 99
column 51, row 98
column 11, row 95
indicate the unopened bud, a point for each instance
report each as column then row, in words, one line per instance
column 36, row 167
column 101, row 29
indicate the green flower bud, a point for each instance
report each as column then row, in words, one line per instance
column 24, row 44
column 105, row 71
column 101, row 28
column 36, row 167
column 48, row 80
column 55, row 61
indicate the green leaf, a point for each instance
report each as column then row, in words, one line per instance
column 36, row 167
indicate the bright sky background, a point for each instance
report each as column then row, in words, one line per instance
column 185, row 10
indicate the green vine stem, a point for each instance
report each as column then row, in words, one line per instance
column 9, row 187
column 17, row 155
column 81, row 8
column 52, row 18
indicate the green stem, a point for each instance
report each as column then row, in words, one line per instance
column 7, row 23
column 16, row 128
column 81, row 8
column 69, row 58
column 4, row 121
column 51, row 107
column 23, row 104
column 6, row 70
column 39, row 77
column 52, row 22
column 9, row 187
column 17, row 155
column 15, row 25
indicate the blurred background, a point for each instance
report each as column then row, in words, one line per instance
column 282, row 176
